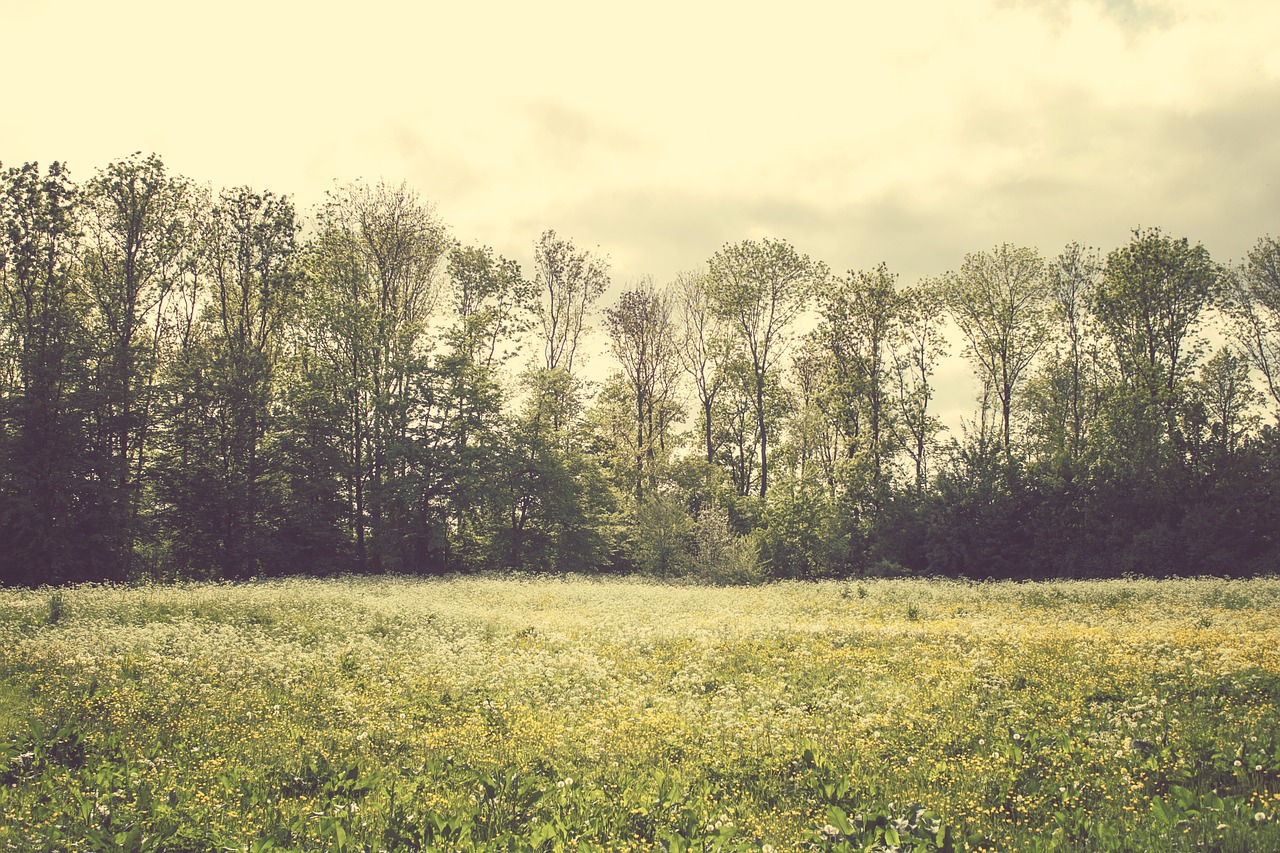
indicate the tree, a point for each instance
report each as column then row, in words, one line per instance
column 44, row 500
column 1073, row 280
column 703, row 348
column 1063, row 399
column 553, row 494
column 918, row 344
column 759, row 289
column 1000, row 301
column 816, row 435
column 373, row 267
column 737, row 433
column 980, row 521
column 1223, row 404
column 492, row 300
column 217, row 479
column 1254, row 303
column 860, row 316
column 1148, row 307
column 139, row 239
column 570, row 281
column 662, row 535
column 492, row 303
column 643, row 341
column 312, row 532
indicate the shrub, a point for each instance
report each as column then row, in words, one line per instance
column 721, row 557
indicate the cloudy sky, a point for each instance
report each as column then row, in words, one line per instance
column 909, row 133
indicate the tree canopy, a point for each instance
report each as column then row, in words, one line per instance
column 195, row 384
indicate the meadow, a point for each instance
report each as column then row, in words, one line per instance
column 556, row 714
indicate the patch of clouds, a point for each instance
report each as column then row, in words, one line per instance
column 1133, row 16
column 432, row 162
column 664, row 233
column 562, row 135
column 1077, row 170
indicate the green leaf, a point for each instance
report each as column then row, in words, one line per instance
column 1164, row 813
column 836, row 817
column 1186, row 798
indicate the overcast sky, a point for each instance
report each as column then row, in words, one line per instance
column 861, row 132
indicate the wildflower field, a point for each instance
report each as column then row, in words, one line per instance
column 574, row 714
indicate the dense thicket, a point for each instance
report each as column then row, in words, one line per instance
column 191, row 385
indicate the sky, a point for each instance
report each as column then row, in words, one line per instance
column 908, row 133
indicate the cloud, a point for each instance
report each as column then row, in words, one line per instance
column 1092, row 171
column 1075, row 169
column 662, row 232
column 431, row 161
column 562, row 137
column 1134, row 16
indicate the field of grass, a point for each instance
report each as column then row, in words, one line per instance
column 571, row 714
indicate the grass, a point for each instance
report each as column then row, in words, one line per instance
column 573, row 714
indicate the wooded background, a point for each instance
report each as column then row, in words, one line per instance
column 193, row 386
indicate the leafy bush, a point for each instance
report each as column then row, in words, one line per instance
column 719, row 555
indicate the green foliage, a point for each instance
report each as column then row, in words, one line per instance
column 57, row 608
column 1149, row 306
column 191, row 387
column 979, row 523
column 1253, row 303
column 662, row 529
column 802, row 537
column 45, row 493
column 552, row 498
column 569, row 281
column 862, row 317
column 558, row 714
column 1000, row 301
column 758, row 288
column 642, row 333
column 720, row 556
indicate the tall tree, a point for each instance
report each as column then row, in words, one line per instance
column 1073, row 279
column 43, row 503
column 374, row 267
column 461, row 428
column 312, row 532
column 1223, row 407
column 571, row 282
column 139, row 241
column 492, row 301
column 759, row 288
column 1254, row 303
column 642, row 336
column 703, row 349
column 737, row 433
column 1000, row 301
column 860, row 317
column 918, row 344
column 553, row 491
column 816, row 433
column 217, row 480
column 1148, row 307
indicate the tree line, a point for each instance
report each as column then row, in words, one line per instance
column 194, row 386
